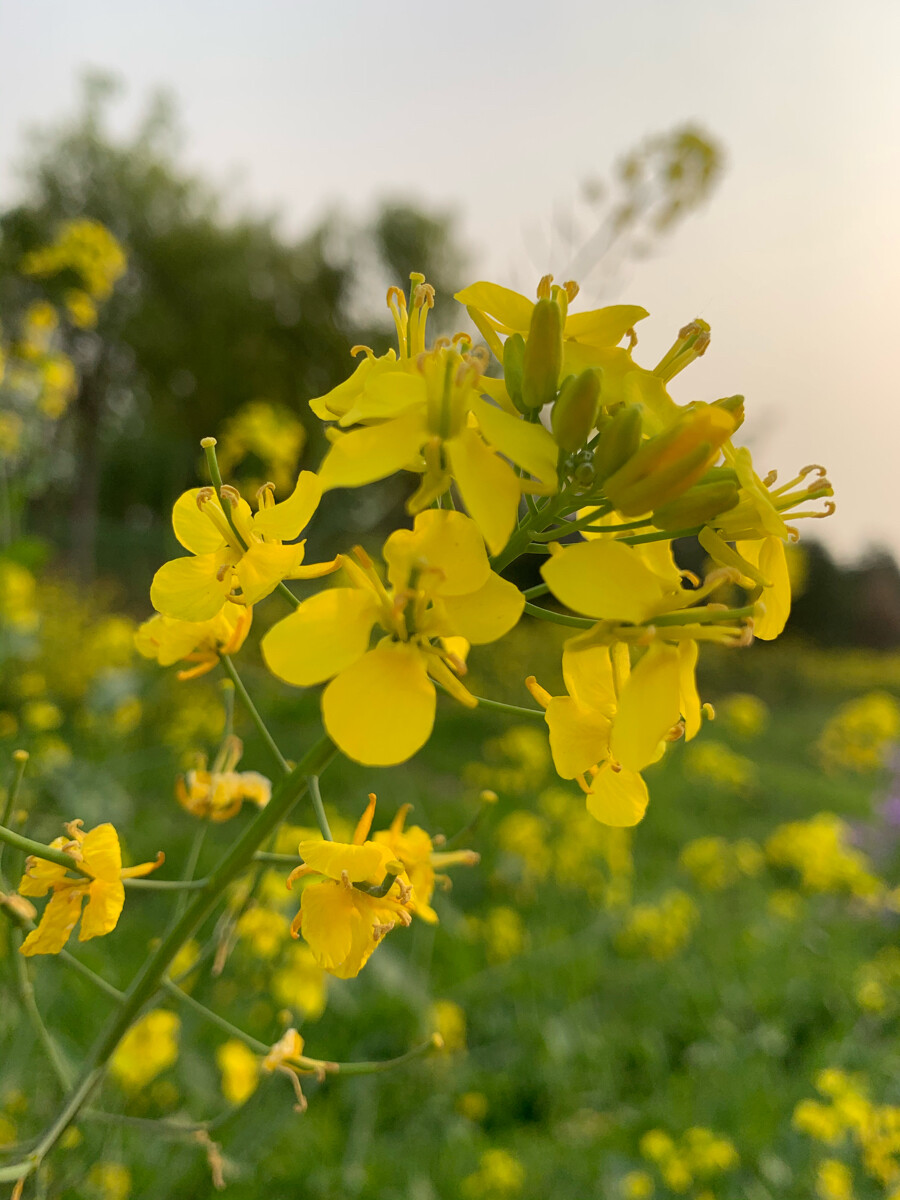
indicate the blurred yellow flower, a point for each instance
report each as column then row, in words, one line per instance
column 218, row 794
column 834, row 1180
column 743, row 714
column 660, row 930
column 821, row 850
column 448, row 1019
column 169, row 640
column 269, row 434
column 110, row 1180
column 861, row 734
column 499, row 1176
column 148, row 1048
column 240, row 1071
column 637, row 1185
column 83, row 246
column 415, row 850
column 264, row 930
column 300, row 984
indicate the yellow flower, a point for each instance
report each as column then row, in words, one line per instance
column 148, row 1048
column 356, row 896
column 286, row 1052
column 821, row 850
column 379, row 707
column 301, row 983
column 834, row 1180
column 240, row 1071
column 637, row 1185
column 244, row 562
column 264, row 929
column 448, row 1019
column 415, row 850
column 219, row 794
column 426, row 412
column 83, row 246
column 99, row 855
column 271, row 434
column 110, row 1180
column 169, row 640
column 499, row 1176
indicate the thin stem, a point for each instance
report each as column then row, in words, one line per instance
column 435, row 1042
column 20, row 762
column 151, row 974
column 39, row 850
column 663, row 535
column 254, row 714
column 190, row 867
column 213, row 1017
column 165, row 885
column 159, row 1125
column 539, row 589
column 215, row 475
column 546, row 614
column 26, row 996
column 288, row 594
column 86, row 973
column 278, row 860
column 319, row 808
column 515, row 709
column 704, row 615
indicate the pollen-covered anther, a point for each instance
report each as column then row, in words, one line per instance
column 380, row 930
column 632, row 338
column 423, row 296
column 455, row 663
column 229, row 493
column 18, row 905
column 204, row 495
column 708, row 711
column 771, row 478
column 543, row 288
column 265, row 495
column 345, row 880
column 355, row 351
column 571, row 288
column 404, row 892
column 301, row 1105
column 807, row 470
column 675, row 733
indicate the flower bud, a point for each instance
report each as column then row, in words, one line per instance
column 543, row 355
column 698, row 505
column 575, row 412
column 513, row 364
column 667, row 465
column 620, row 438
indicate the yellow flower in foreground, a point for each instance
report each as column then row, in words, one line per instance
column 243, row 563
column 441, row 594
column 100, row 856
column 240, row 1071
column 415, row 850
column 426, row 412
column 219, row 794
column 148, row 1048
column 354, row 894
column 169, row 640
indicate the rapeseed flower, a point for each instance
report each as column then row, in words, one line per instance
column 100, row 858
column 300, row 983
column 440, row 595
column 242, row 557
column 354, row 894
column 169, row 640
column 148, row 1048
column 414, row 848
column 240, row 1071
column 218, row 794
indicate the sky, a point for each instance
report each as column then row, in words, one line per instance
column 499, row 111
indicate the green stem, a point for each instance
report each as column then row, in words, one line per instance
column 213, row 1017
column 663, row 535
column 288, row 594
column 546, row 614
column 704, row 615
column 20, row 762
column 319, row 808
column 166, row 885
column 375, row 1068
column 539, row 589
column 498, row 705
column 215, row 475
column 278, row 860
column 190, row 867
column 150, row 976
column 39, row 850
column 254, row 713
column 26, row 996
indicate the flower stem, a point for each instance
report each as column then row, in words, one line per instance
column 26, row 995
column 39, row 850
column 254, row 713
column 546, row 614
column 20, row 762
column 215, row 475
column 319, row 807
column 182, row 997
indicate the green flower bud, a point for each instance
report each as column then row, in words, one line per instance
column 575, row 412
column 620, row 438
column 513, row 365
column 543, row 355
column 698, row 505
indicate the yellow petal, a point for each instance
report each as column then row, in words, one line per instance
column 618, row 798
column 771, row 559
column 40, row 875
column 506, row 310
column 603, row 579
column 579, row 736
column 445, row 546
column 364, row 864
column 388, row 396
column 380, row 710
column 603, row 326
column 364, row 455
column 103, row 909
column 287, row 519
column 649, row 705
column 264, row 566
column 528, row 445
column 190, row 589
column 102, row 853
column 327, row 633
column 486, row 614
column 588, row 674
column 339, row 925
column 341, row 398
column 690, row 698
column 59, row 919
column 488, row 486
column 192, row 526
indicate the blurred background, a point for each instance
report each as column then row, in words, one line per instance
column 201, row 207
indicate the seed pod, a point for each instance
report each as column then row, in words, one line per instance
column 619, row 440
column 543, row 355
column 575, row 411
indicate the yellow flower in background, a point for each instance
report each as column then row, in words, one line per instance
column 354, row 894
column 426, row 412
column 110, row 1180
column 98, row 854
column 240, row 1071
column 300, row 984
column 241, row 560
column 148, row 1048
column 415, row 850
column 218, row 794
column 834, row 1180
column 861, row 734
column 637, row 1185
column 659, row 931
column 503, row 932
column 264, row 930
column 714, row 762
column 268, row 433
column 441, row 595
column 169, row 640
column 500, row 1176
column 715, row 863
column 822, row 851
column 446, row 1018
column 743, row 714
column 83, row 246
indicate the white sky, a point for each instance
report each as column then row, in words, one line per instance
column 499, row 110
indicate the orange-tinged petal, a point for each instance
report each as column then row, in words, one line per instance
column 506, row 310
column 445, row 546
column 603, row 579
column 374, row 452
column 190, row 588
column 649, row 705
column 603, row 326
column 488, row 486
column 380, row 710
column 342, row 926
column 327, row 633
column 103, row 909
column 618, row 798
column 59, row 919
column 364, row 864
column 287, row 519
column 486, row 614
column 102, row 853
column 579, row 736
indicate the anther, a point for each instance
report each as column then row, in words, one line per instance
column 571, row 288
column 543, row 288
column 229, row 493
column 355, row 351
column 204, row 495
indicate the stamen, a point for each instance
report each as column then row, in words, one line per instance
column 265, row 495
column 543, row 288
column 571, row 289
column 355, row 351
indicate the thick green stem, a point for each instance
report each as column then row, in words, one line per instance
column 39, row 850
column 149, row 978
column 254, row 714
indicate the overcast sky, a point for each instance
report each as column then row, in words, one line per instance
column 499, row 110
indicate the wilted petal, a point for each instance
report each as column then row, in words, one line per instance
column 59, row 919
column 103, row 909
column 102, row 853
